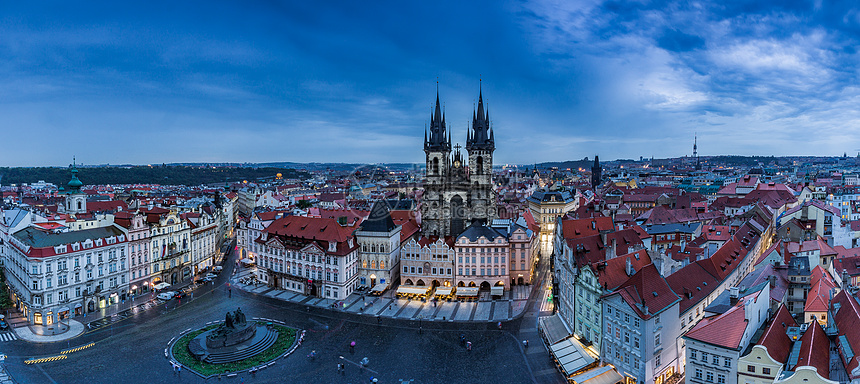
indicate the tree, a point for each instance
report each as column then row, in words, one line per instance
column 304, row 204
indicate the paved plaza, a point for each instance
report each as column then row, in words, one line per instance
column 512, row 305
column 403, row 340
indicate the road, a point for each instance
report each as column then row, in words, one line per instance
column 131, row 350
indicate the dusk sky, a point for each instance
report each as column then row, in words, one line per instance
column 308, row 81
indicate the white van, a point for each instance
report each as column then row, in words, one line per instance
column 166, row 295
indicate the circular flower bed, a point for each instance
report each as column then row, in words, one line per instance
column 286, row 338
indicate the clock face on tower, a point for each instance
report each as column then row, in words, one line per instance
column 456, row 163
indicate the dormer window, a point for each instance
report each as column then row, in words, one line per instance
column 332, row 246
column 76, row 246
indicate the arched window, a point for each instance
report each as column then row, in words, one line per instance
column 435, row 165
column 79, row 205
column 480, row 162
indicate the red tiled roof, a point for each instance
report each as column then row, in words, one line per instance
column 815, row 350
column 693, row 283
column 312, row 229
column 647, row 287
column 574, row 228
column 613, row 272
column 106, row 206
column 818, row 298
column 775, row 339
column 725, row 330
column 847, row 320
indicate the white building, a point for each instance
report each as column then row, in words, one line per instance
column 311, row 256
column 640, row 328
column 379, row 253
column 52, row 275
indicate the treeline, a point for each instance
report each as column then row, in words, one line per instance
column 160, row 174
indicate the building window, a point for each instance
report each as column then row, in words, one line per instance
column 693, row 354
column 709, row 377
column 750, row 368
column 636, row 341
column 704, row 357
column 698, row 373
column 715, row 360
column 765, row 371
column 721, row 379
column 727, row 362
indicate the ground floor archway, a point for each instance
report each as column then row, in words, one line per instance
column 485, row 286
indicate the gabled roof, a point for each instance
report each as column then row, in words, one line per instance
column 775, row 338
column 613, row 272
column 814, row 350
column 574, row 228
column 818, row 298
column 646, row 292
column 847, row 319
column 725, row 330
column 693, row 283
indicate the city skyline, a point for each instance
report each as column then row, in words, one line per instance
column 355, row 83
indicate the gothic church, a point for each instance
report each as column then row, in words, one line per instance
column 457, row 193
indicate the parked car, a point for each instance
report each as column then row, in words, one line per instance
column 3, row 323
column 217, row 269
column 179, row 295
column 210, row 276
column 167, row 295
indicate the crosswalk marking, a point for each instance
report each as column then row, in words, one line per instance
column 8, row 336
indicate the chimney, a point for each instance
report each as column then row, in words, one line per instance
column 628, row 267
column 733, row 295
column 844, row 278
column 611, row 252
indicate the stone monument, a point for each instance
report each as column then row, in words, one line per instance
column 231, row 337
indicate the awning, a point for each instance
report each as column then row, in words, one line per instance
column 78, row 305
column 247, row 261
column 497, row 291
column 444, row 291
column 161, row 286
column 603, row 375
column 553, row 328
column 63, row 309
column 571, row 357
column 379, row 287
column 467, row 291
column 411, row 289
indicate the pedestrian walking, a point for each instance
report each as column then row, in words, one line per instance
column 352, row 347
column 525, row 343
column 229, row 292
column 468, row 345
column 179, row 368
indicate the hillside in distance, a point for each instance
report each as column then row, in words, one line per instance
column 164, row 174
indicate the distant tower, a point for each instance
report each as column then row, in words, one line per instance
column 76, row 201
column 695, row 147
column 696, row 152
column 596, row 173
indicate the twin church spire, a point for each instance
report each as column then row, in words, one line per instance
column 480, row 136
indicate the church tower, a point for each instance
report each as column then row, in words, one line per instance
column 437, row 150
column 481, row 143
column 596, row 173
column 76, row 201
column 457, row 194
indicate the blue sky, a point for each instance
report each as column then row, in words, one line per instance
column 355, row 81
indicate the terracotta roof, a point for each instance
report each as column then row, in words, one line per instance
column 647, row 287
column 574, row 228
column 847, row 320
column 725, row 330
column 776, row 340
column 613, row 272
column 304, row 230
column 818, row 298
column 693, row 283
column 814, row 350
